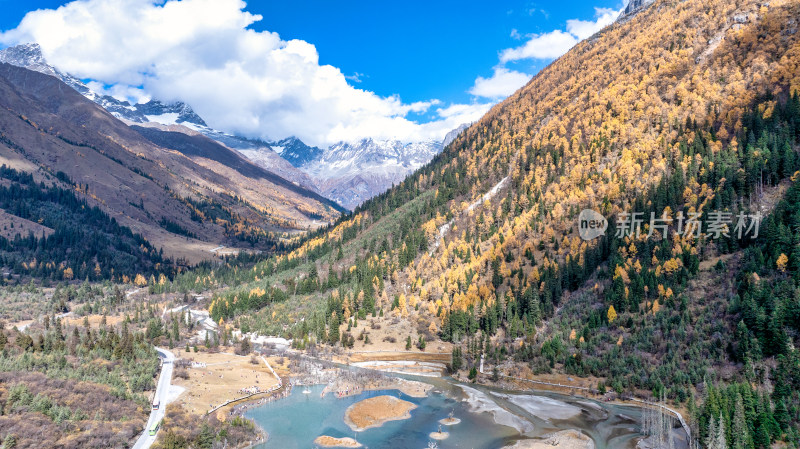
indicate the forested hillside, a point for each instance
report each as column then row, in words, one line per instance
column 85, row 243
column 687, row 110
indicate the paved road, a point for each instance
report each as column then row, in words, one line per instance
column 162, row 394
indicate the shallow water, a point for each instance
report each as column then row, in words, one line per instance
column 610, row 426
column 294, row 422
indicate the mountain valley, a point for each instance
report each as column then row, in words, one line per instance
column 608, row 258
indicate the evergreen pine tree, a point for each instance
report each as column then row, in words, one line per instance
column 782, row 415
column 9, row 442
column 205, row 439
column 741, row 431
column 761, row 440
column 710, row 441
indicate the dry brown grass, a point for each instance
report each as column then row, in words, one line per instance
column 374, row 412
column 386, row 328
column 329, row 441
column 95, row 320
column 220, row 380
column 21, row 226
column 399, row 356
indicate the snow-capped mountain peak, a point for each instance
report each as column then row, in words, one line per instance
column 352, row 172
column 30, row 56
column 295, row 151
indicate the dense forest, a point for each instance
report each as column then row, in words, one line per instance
column 639, row 325
column 85, row 243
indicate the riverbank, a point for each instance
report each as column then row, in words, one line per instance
column 354, row 386
column 517, row 414
column 329, row 441
column 566, row 439
column 211, row 379
column 256, row 400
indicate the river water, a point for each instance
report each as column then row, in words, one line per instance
column 490, row 418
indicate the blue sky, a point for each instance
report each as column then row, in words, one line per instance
column 422, row 59
column 419, row 49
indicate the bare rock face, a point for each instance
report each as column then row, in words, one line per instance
column 451, row 136
column 635, row 6
column 28, row 56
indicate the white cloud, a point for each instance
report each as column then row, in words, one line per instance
column 463, row 113
column 501, row 84
column 555, row 43
column 120, row 92
column 585, row 28
column 254, row 83
column 541, row 46
column 356, row 77
column 239, row 80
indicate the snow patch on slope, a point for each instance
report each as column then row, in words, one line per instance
column 445, row 228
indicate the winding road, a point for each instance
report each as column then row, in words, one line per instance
column 146, row 440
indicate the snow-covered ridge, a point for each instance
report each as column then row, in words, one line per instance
column 30, row 56
column 353, row 172
column 344, row 157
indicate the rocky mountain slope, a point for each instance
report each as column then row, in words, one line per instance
column 186, row 201
column 451, row 136
column 175, row 117
column 348, row 172
column 295, row 151
column 30, row 57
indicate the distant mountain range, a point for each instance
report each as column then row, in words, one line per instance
column 351, row 173
column 184, row 193
column 346, row 172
